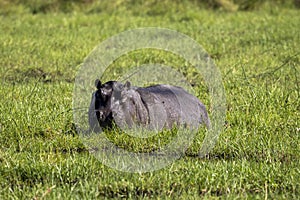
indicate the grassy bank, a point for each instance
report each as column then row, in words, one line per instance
column 257, row 52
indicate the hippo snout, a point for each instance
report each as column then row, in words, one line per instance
column 100, row 115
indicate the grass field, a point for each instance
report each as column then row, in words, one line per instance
column 257, row 154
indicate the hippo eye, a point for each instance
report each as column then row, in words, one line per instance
column 106, row 91
column 103, row 93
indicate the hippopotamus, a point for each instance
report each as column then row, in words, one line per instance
column 154, row 107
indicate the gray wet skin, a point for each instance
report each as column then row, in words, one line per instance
column 154, row 107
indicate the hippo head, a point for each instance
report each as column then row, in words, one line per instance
column 114, row 102
column 100, row 113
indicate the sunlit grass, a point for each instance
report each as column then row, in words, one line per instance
column 257, row 155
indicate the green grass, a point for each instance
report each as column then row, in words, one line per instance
column 257, row 154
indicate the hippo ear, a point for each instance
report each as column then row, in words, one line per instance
column 127, row 85
column 97, row 84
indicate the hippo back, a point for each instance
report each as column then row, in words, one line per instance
column 181, row 108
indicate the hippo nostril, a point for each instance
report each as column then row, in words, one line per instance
column 100, row 115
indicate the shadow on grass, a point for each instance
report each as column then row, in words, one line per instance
column 255, row 156
column 34, row 74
